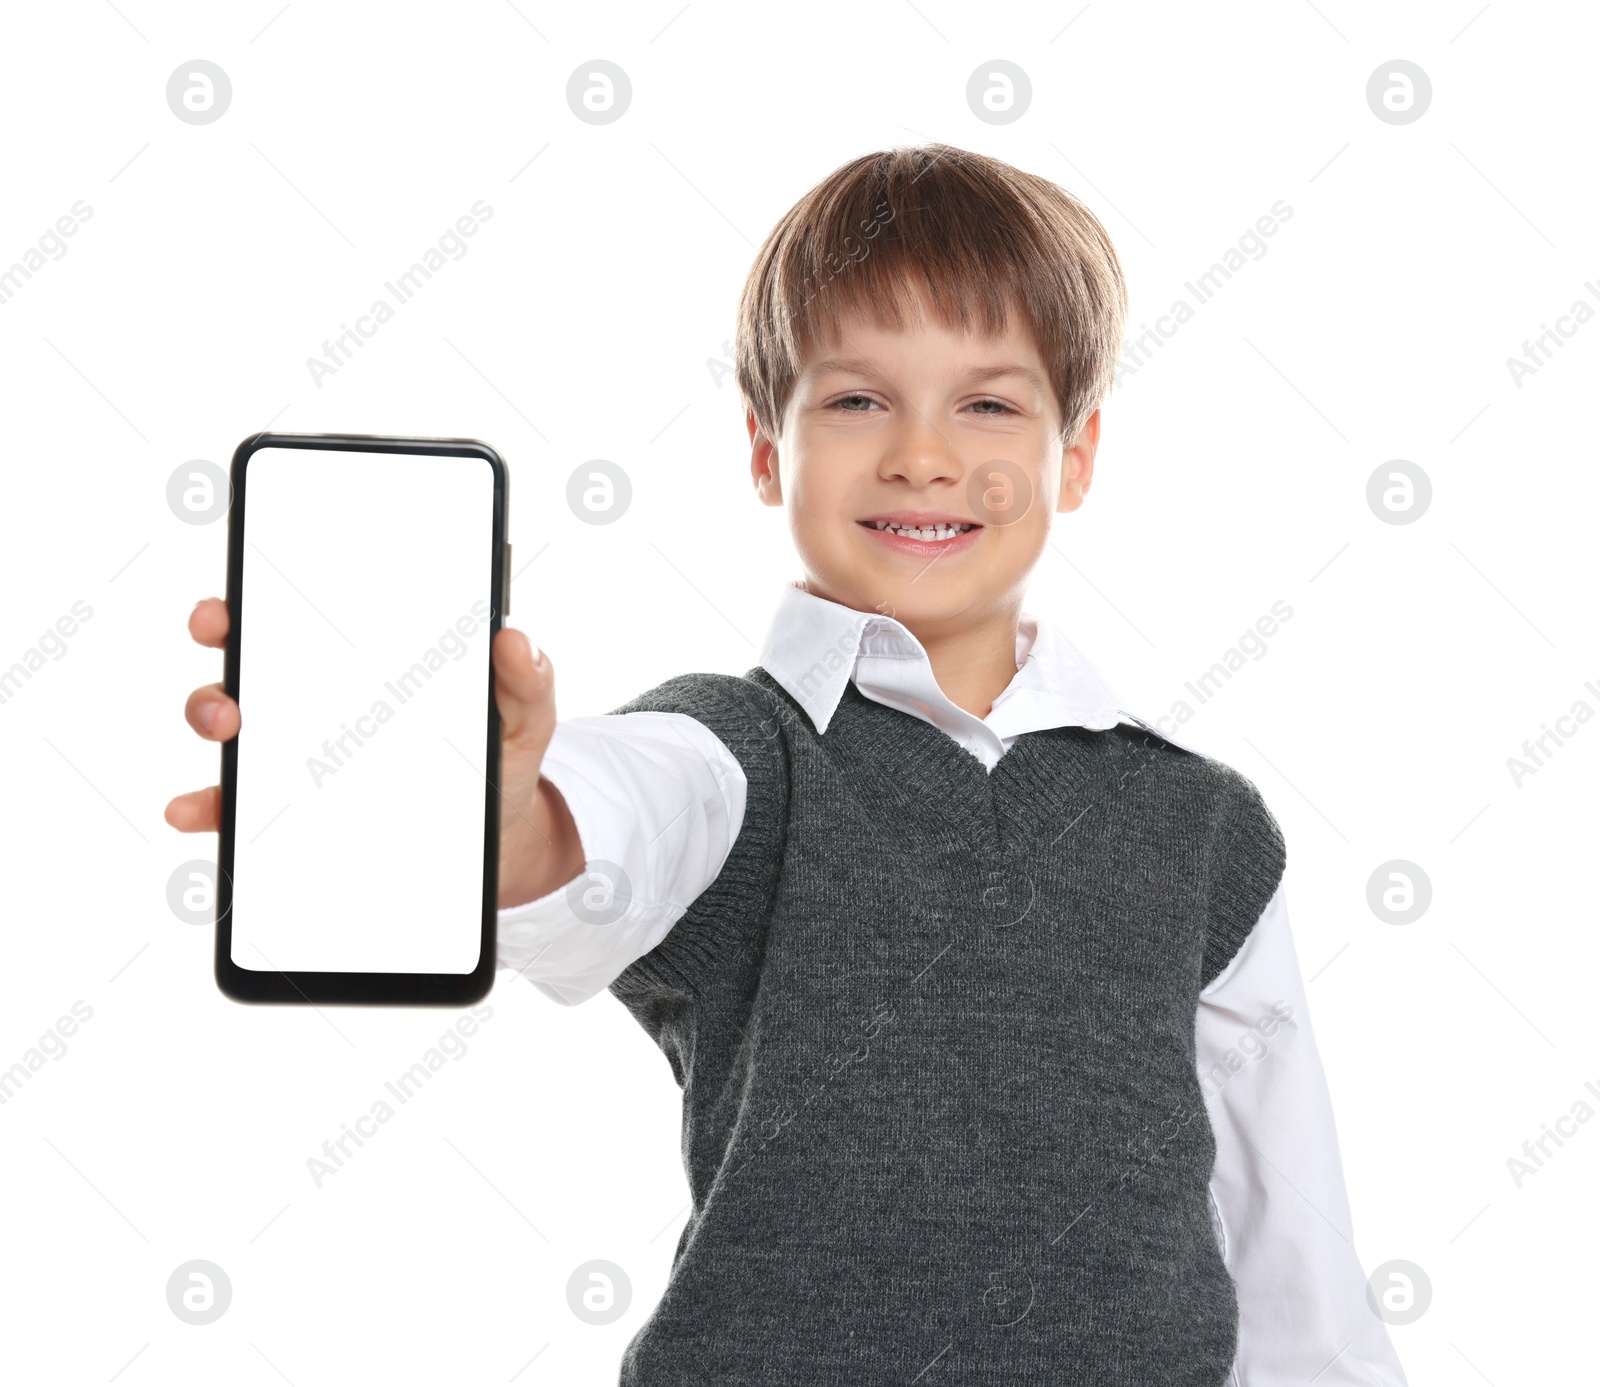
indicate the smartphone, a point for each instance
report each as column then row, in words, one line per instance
column 359, row 847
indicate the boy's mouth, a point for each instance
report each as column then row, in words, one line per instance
column 907, row 532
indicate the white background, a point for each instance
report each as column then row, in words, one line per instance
column 587, row 320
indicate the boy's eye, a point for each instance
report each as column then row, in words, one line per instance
column 860, row 404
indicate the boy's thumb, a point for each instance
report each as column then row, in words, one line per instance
column 524, row 688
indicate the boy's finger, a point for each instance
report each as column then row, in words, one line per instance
column 208, row 622
column 199, row 811
column 212, row 713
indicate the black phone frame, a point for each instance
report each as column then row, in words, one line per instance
column 351, row 988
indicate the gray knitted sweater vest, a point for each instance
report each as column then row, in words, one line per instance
column 935, row 1032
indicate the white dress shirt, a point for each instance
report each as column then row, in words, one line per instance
column 660, row 796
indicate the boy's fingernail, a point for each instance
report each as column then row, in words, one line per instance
column 538, row 657
column 207, row 716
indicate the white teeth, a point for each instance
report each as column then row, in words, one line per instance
column 927, row 533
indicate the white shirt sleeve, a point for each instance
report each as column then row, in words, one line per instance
column 655, row 794
column 1278, row 1194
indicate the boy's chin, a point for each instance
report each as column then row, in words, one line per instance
column 924, row 604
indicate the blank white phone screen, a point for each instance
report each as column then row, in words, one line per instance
column 364, row 685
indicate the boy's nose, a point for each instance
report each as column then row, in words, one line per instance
column 921, row 453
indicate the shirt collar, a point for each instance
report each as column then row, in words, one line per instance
column 814, row 647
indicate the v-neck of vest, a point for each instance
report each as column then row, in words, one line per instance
column 1037, row 789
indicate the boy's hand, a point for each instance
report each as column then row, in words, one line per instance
column 539, row 844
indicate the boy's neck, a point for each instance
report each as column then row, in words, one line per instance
column 973, row 656
column 972, row 664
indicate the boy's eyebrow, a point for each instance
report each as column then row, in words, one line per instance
column 978, row 375
column 852, row 365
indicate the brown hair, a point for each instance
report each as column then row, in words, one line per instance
column 980, row 235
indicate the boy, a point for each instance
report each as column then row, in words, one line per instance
column 953, row 960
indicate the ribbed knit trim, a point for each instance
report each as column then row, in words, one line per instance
column 1247, row 865
column 746, row 719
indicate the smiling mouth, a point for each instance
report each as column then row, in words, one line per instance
column 922, row 534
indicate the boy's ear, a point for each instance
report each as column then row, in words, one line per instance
column 763, row 462
column 1077, row 464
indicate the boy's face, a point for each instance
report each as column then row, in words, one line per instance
column 923, row 423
